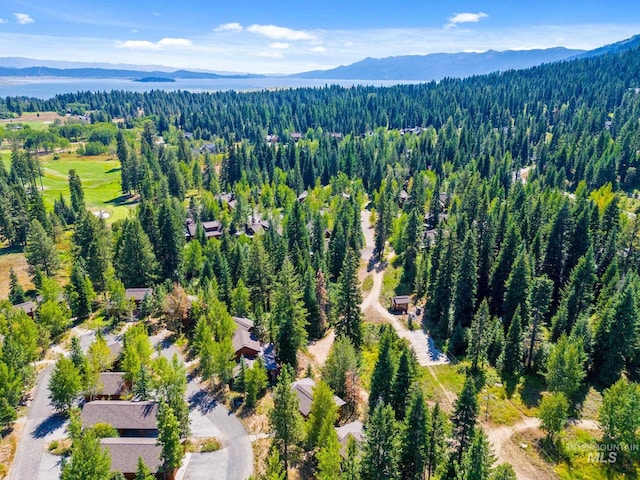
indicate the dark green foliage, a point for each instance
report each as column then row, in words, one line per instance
column 16, row 292
column 380, row 455
column 383, row 373
column 414, row 438
column 134, row 259
column 64, row 385
column 464, row 419
column 466, row 282
column 403, row 381
column 349, row 315
column 79, row 291
column 479, row 458
column 93, row 242
column 40, row 251
column 76, row 192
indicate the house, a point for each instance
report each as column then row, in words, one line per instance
column 304, row 390
column 244, row 323
column 303, row 196
column 245, row 344
column 336, row 135
column 272, row 139
column 27, row 307
column 354, row 429
column 404, row 196
column 268, row 355
column 115, row 352
column 113, row 386
column 212, row 229
column 130, row 419
column 188, row 135
column 295, row 136
column 209, row 148
column 138, row 294
column 401, row 303
column 124, row 453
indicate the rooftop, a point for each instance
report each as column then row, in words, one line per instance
column 126, row 451
column 120, row 414
column 304, row 388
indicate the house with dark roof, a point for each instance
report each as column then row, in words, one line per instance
column 27, row 307
column 138, row 294
column 304, row 391
column 130, row 419
column 212, row 229
column 112, row 386
column 245, row 343
column 401, row 303
column 124, row 453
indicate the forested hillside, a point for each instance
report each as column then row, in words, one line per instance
column 509, row 202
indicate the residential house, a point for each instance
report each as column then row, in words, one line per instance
column 304, row 390
column 130, row 419
column 27, row 307
column 212, row 229
column 124, row 453
column 113, row 386
column 138, row 294
column 354, row 429
column 296, row 136
column 401, row 303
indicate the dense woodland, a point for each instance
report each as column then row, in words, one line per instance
column 511, row 211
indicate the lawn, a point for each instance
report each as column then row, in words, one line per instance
column 100, row 177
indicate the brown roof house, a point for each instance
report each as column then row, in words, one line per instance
column 401, row 303
column 27, row 307
column 113, row 386
column 304, row 390
column 245, row 343
column 130, row 419
column 125, row 452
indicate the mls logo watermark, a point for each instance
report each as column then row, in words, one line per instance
column 604, row 453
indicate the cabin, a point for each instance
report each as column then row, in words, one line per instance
column 212, row 229
column 404, row 196
column 209, row 148
column 228, row 199
column 354, row 429
column 130, row 419
column 303, row 196
column 138, row 294
column 295, row 136
column 245, row 343
column 336, row 135
column 113, row 386
column 401, row 303
column 27, row 307
column 304, row 389
column 124, row 453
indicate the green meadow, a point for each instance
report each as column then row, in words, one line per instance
column 100, row 177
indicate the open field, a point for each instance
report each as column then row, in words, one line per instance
column 37, row 121
column 100, row 177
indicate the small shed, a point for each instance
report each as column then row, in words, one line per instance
column 401, row 303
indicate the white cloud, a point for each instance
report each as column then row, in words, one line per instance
column 280, row 33
column 23, row 18
column 147, row 45
column 276, row 55
column 233, row 27
column 175, row 42
column 319, row 49
column 2, row 20
column 279, row 45
column 466, row 18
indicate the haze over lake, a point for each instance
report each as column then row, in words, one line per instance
column 47, row 87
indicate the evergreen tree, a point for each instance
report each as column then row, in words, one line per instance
column 274, row 466
column 76, row 192
column 381, row 447
column 464, row 419
column 436, row 440
column 323, row 409
column 285, row 418
column 504, row 471
column 88, row 460
column 80, row 293
column 382, row 376
column 143, row 472
column 403, row 381
column 342, row 359
column 256, row 380
column 169, row 439
column 40, row 252
column 553, row 412
column 466, row 282
column 479, row 336
column 349, row 315
column 565, row 366
column 290, row 315
column 512, row 355
column 329, row 459
column 540, row 299
column 412, row 238
column 516, row 289
column 553, row 264
column 171, row 238
column 16, row 292
column 351, row 464
column 142, row 383
column 413, row 449
column 93, row 243
column 479, row 458
column 240, row 300
column 134, row 259
column 322, row 300
column 502, row 268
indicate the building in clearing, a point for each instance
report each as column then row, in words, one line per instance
column 401, row 303
column 304, row 390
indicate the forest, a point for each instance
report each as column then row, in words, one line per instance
column 506, row 204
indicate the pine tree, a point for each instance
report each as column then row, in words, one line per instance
column 290, row 315
column 93, row 242
column 240, row 301
column 349, row 315
column 413, row 449
column 329, row 459
column 502, row 268
column 464, row 419
column 285, row 418
column 88, row 460
column 171, row 239
column 466, row 282
column 553, row 264
column 134, row 259
column 143, row 472
column 479, row 458
column 565, row 366
column 80, row 291
column 516, row 288
column 323, row 409
column 142, row 383
column 169, row 439
column 539, row 299
column 351, row 464
column 40, row 252
column 436, row 440
column 76, row 192
column 381, row 447
column 512, row 355
column 412, row 239
column 342, row 360
column 255, row 381
column 403, row 381
column 322, row 299
column 479, row 336
column 16, row 292
column 382, row 376
column 274, row 469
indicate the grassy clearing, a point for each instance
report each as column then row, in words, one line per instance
column 367, row 283
column 202, row 445
column 13, row 258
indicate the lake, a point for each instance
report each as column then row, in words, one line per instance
column 47, row 87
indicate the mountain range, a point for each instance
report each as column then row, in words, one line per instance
column 435, row 66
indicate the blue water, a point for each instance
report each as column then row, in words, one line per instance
column 47, row 87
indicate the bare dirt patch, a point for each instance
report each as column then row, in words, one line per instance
column 44, row 117
column 17, row 260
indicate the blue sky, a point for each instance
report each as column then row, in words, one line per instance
column 283, row 36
